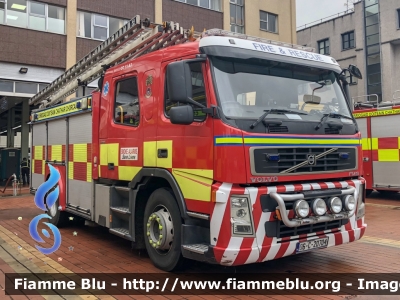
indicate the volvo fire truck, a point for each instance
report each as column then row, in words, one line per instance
column 217, row 147
column 380, row 132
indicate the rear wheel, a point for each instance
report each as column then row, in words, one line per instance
column 58, row 218
column 162, row 230
column 368, row 192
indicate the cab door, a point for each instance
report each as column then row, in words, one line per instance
column 122, row 147
column 187, row 150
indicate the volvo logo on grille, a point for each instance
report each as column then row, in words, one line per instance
column 311, row 159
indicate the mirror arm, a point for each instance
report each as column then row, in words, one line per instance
column 195, row 103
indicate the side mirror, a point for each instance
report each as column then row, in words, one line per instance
column 181, row 115
column 179, row 82
column 355, row 71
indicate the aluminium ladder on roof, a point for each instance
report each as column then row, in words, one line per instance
column 134, row 39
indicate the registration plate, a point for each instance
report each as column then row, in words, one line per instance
column 310, row 245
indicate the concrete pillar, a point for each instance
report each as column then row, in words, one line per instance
column 158, row 11
column 25, row 128
column 72, row 7
column 10, row 126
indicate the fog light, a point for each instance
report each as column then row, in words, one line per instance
column 349, row 202
column 241, row 216
column 319, row 207
column 335, row 205
column 301, row 208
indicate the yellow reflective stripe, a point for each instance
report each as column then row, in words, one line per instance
column 228, row 140
column 365, row 143
column 38, row 152
column 150, row 154
column 165, row 162
column 195, row 184
column 294, row 141
column 388, row 155
column 127, row 172
column 113, row 154
column 103, row 154
column 374, row 143
column 80, row 153
column 70, row 170
column 377, row 113
column 89, row 172
column 56, row 152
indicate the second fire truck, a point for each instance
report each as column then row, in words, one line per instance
column 225, row 149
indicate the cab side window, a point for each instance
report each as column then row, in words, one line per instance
column 199, row 93
column 126, row 105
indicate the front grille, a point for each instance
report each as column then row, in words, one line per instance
column 290, row 157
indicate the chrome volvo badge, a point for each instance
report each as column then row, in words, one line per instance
column 311, row 160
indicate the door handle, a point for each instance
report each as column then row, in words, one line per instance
column 111, row 166
column 162, row 153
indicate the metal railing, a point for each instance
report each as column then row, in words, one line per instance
column 329, row 18
column 368, row 101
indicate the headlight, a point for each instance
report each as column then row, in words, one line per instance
column 241, row 216
column 349, row 202
column 319, row 207
column 301, row 208
column 335, row 205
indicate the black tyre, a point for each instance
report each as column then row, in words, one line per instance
column 58, row 218
column 162, row 230
column 368, row 192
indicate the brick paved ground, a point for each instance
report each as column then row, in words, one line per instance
column 97, row 251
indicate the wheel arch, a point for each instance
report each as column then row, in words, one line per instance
column 151, row 176
column 142, row 186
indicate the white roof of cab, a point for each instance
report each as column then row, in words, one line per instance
column 266, row 48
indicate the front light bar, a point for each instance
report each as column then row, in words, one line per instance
column 281, row 198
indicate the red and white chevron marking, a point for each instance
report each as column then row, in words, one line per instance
column 229, row 250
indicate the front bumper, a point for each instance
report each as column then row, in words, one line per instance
column 234, row 250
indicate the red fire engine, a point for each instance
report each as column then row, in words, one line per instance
column 224, row 148
column 380, row 142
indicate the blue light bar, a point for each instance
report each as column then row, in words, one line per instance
column 273, row 157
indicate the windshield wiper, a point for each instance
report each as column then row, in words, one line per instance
column 332, row 115
column 275, row 110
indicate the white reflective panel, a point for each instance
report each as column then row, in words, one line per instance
column 37, row 23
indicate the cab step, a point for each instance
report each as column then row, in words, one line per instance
column 122, row 232
column 196, row 248
column 122, row 210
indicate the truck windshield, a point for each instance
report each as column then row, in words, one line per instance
column 247, row 88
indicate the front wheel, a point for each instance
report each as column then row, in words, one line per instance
column 162, row 230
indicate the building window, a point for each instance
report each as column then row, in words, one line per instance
column 348, row 40
column 126, row 106
column 199, row 93
column 237, row 16
column 2, row 11
column 210, row 4
column 398, row 18
column 268, row 21
column 323, row 47
column 32, row 15
column 98, row 27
